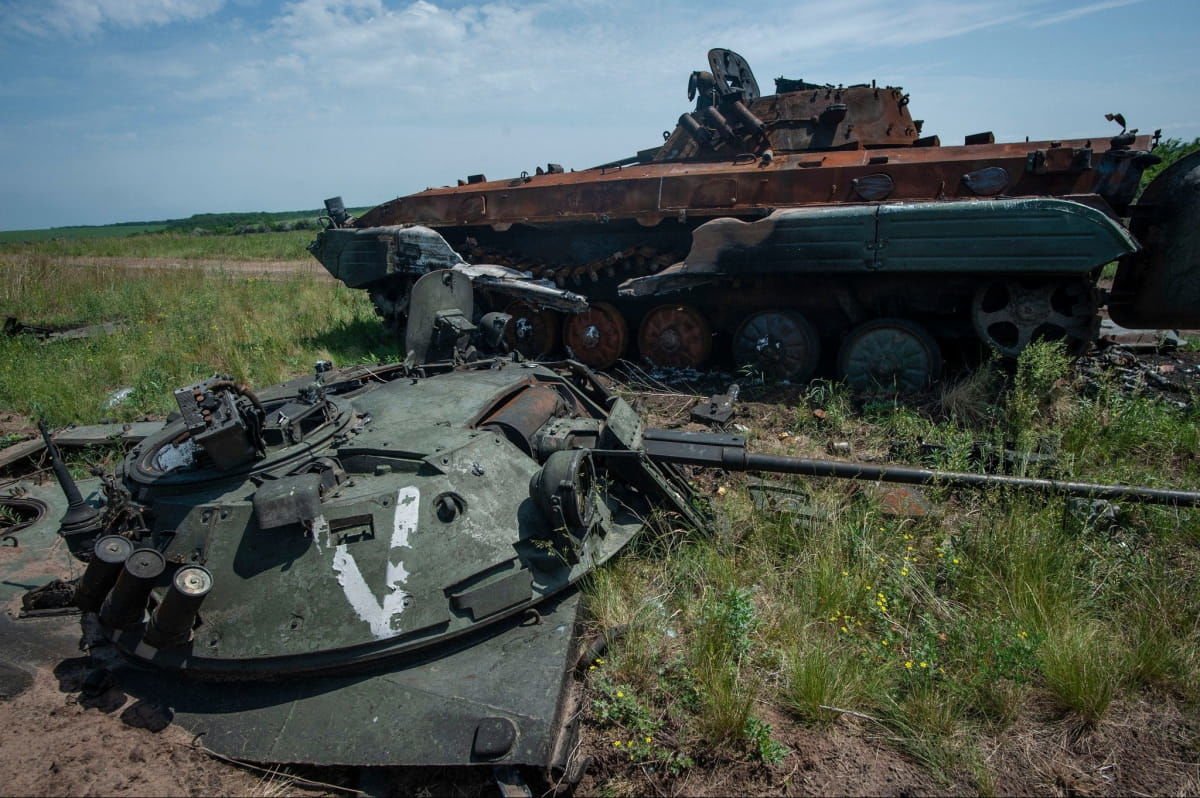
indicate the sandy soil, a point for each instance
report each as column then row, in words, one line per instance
column 58, row 744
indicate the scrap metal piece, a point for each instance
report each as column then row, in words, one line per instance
column 1139, row 340
column 81, row 437
column 12, row 326
column 718, row 408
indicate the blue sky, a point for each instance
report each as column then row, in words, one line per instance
column 120, row 110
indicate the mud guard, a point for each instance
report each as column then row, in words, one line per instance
column 1159, row 287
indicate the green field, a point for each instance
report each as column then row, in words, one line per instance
column 200, row 224
column 179, row 326
column 259, row 246
column 106, row 231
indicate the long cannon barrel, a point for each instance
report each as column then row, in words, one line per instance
column 729, row 452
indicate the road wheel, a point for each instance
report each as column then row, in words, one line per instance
column 677, row 336
column 781, row 343
column 597, row 337
column 889, row 356
column 533, row 331
column 1008, row 314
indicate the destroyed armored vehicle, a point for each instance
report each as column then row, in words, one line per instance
column 817, row 225
column 387, row 555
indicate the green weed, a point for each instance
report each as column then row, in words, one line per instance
column 763, row 746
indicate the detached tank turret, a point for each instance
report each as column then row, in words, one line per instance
column 814, row 225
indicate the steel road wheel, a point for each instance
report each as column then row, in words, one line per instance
column 677, row 336
column 781, row 343
column 596, row 337
column 1008, row 314
column 889, row 356
column 533, row 331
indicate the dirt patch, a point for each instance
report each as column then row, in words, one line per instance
column 55, row 744
column 846, row 757
column 1147, row 746
column 1144, row 746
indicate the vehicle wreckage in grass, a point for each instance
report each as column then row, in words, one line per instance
column 376, row 566
column 817, row 225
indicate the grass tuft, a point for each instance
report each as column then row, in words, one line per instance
column 1080, row 664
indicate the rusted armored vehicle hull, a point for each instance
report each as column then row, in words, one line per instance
column 862, row 244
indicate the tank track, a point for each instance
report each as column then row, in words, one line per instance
column 632, row 261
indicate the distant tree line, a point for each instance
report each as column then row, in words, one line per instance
column 244, row 223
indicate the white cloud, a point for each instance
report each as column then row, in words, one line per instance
column 82, row 18
column 1081, row 11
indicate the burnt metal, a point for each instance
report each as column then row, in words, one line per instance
column 716, row 409
column 771, row 173
column 44, row 334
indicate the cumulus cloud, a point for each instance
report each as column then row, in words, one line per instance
column 82, row 18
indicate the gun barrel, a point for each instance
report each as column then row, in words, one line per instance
column 729, row 452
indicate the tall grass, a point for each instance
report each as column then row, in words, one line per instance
column 177, row 326
column 941, row 628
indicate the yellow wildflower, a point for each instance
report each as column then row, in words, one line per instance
column 616, row 743
column 909, row 664
column 845, row 573
column 648, row 739
column 904, row 572
column 955, row 561
column 591, row 667
column 924, row 664
column 620, row 694
column 844, row 629
column 599, row 661
column 883, row 642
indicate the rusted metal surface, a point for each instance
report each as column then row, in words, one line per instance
column 534, row 331
column 597, row 337
column 675, row 335
column 524, row 413
column 650, row 193
column 829, row 204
